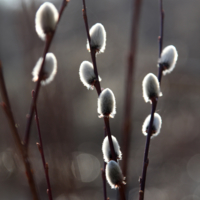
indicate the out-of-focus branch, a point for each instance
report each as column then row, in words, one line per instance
column 128, row 101
column 160, row 38
column 7, row 109
column 41, row 150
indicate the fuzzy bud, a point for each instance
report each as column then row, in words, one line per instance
column 114, row 174
column 157, row 122
column 151, row 87
column 87, row 75
column 106, row 104
column 107, row 154
column 168, row 59
column 46, row 19
column 49, row 69
column 98, row 38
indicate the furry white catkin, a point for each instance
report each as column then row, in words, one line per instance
column 45, row 19
column 114, row 174
column 151, row 87
column 106, row 104
column 168, row 59
column 157, row 122
column 49, row 69
column 107, row 155
column 87, row 75
column 98, row 38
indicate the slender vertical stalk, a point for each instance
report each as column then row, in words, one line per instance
column 104, row 181
column 40, row 147
column 146, row 159
column 161, row 28
column 49, row 39
column 128, row 101
column 98, row 89
column 154, row 104
column 122, row 192
column 7, row 109
column 160, row 38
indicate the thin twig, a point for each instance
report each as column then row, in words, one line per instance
column 49, row 39
column 104, row 180
column 40, row 147
column 146, row 160
column 103, row 172
column 92, row 50
column 98, row 89
column 161, row 28
column 154, row 104
column 128, row 101
column 7, row 109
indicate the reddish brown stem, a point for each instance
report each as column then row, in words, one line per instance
column 128, row 101
column 49, row 39
column 7, row 109
column 122, row 192
column 40, row 147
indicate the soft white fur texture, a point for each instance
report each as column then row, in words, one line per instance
column 107, row 155
column 87, row 75
column 106, row 104
column 114, row 174
column 49, row 69
column 168, row 59
column 157, row 123
column 45, row 19
column 151, row 87
column 98, row 38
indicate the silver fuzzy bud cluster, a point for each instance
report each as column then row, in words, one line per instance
column 107, row 154
column 168, row 59
column 157, row 122
column 87, row 75
column 49, row 69
column 106, row 104
column 151, row 87
column 98, row 38
column 46, row 19
column 114, row 174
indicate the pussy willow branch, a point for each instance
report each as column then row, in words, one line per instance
column 154, row 104
column 7, row 109
column 128, row 100
column 49, row 39
column 41, row 150
column 98, row 89
column 97, row 83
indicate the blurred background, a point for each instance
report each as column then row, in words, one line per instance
column 71, row 130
